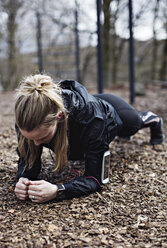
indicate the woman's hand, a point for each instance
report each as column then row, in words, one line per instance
column 21, row 189
column 41, row 191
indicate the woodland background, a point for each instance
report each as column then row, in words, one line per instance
column 22, row 44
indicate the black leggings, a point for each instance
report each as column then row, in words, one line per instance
column 129, row 116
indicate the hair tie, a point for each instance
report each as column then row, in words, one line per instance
column 38, row 88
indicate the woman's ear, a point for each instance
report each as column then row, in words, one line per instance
column 59, row 116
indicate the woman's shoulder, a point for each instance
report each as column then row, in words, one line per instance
column 73, row 86
column 74, row 94
column 81, row 106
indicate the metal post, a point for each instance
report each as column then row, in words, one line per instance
column 77, row 53
column 99, row 48
column 131, row 55
column 39, row 43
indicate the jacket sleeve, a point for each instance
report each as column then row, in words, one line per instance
column 95, row 146
column 81, row 186
column 25, row 171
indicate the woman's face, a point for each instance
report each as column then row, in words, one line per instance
column 40, row 135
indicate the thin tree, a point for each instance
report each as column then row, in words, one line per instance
column 112, row 43
column 155, row 42
column 163, row 74
column 11, row 8
column 163, row 66
column 106, row 42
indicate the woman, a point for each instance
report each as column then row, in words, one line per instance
column 75, row 125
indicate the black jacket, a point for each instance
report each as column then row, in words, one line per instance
column 92, row 125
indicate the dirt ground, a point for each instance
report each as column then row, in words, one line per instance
column 131, row 211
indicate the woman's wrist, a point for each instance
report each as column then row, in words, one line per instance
column 55, row 191
column 60, row 190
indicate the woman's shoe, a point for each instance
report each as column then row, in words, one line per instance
column 157, row 136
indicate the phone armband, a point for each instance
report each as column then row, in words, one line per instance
column 105, row 167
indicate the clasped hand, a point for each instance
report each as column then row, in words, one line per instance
column 38, row 191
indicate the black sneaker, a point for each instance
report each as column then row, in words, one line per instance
column 157, row 136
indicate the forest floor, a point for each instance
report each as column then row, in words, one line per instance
column 130, row 211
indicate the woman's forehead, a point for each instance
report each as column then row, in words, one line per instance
column 37, row 133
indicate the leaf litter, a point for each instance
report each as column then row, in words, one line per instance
column 130, row 211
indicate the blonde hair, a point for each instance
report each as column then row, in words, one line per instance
column 38, row 102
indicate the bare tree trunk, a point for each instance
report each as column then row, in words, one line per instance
column 163, row 66
column 155, row 43
column 114, row 47
column 110, row 43
column 163, row 74
column 106, row 43
column 11, row 27
column 11, row 7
